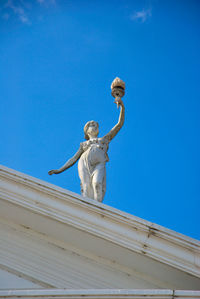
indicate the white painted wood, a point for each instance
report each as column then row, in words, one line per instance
column 59, row 239
column 101, row 294
column 38, row 257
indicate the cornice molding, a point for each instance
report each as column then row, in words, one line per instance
column 98, row 219
column 100, row 294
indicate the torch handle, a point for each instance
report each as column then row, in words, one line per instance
column 116, row 101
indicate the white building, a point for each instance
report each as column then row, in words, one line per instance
column 57, row 244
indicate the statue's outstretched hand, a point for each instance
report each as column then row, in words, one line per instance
column 119, row 102
column 53, row 171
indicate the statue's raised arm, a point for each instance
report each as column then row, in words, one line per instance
column 118, row 91
column 113, row 132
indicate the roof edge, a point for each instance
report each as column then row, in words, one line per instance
column 100, row 293
column 129, row 231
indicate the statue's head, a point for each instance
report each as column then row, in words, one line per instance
column 91, row 129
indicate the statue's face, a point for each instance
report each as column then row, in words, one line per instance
column 93, row 129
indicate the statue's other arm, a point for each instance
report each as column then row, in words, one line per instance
column 68, row 164
column 113, row 132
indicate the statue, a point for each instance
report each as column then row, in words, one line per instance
column 92, row 154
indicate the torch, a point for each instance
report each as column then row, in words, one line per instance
column 117, row 89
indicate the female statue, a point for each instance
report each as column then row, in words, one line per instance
column 92, row 156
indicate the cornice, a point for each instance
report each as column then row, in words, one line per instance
column 98, row 219
column 100, row 294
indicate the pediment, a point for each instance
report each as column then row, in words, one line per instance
column 57, row 239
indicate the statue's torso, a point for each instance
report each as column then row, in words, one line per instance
column 95, row 151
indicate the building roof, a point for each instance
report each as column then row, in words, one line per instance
column 100, row 246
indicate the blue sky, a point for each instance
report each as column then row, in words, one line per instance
column 58, row 59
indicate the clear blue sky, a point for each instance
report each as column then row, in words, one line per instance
column 57, row 61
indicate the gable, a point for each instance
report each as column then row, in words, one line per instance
column 59, row 239
column 57, row 265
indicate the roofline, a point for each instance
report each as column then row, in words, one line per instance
column 121, row 228
column 100, row 294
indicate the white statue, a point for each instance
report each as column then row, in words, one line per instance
column 92, row 154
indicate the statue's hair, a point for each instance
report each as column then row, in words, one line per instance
column 86, row 128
